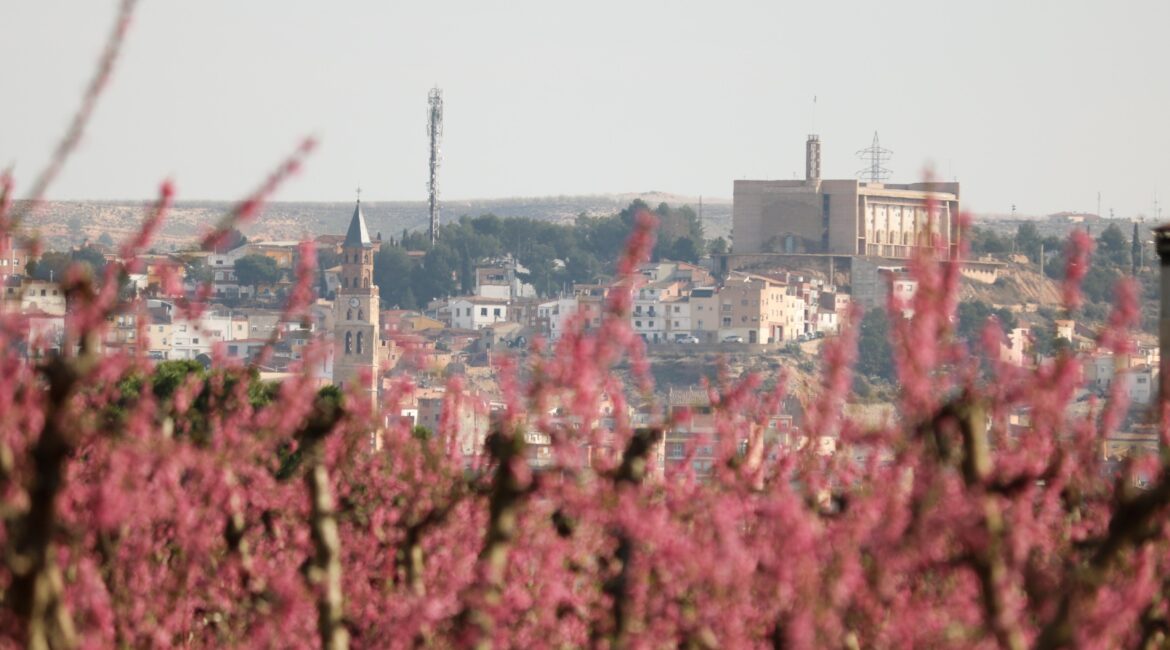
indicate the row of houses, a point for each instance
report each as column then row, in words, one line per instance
column 1136, row 370
column 674, row 302
column 691, row 443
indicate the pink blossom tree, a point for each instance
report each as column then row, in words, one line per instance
column 139, row 508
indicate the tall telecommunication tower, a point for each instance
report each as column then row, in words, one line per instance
column 434, row 130
column 877, row 157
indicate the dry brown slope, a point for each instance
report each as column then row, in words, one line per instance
column 1017, row 285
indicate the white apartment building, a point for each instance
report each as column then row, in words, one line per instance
column 648, row 316
column 191, row 338
column 36, row 296
column 1139, row 384
column 557, row 314
column 500, row 280
column 476, row 312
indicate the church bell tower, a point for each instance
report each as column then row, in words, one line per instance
column 356, row 335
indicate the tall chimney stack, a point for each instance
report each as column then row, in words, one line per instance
column 812, row 158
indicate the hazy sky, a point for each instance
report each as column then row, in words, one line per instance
column 1041, row 104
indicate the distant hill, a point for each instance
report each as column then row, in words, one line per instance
column 63, row 223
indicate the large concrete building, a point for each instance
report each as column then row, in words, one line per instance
column 841, row 217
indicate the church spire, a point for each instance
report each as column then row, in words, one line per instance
column 358, row 234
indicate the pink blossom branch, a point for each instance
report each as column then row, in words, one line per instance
column 73, row 134
column 511, row 481
column 326, row 568
column 36, row 589
column 250, row 207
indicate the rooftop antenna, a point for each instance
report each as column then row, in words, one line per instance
column 812, row 158
column 812, row 150
column 434, row 130
column 877, row 157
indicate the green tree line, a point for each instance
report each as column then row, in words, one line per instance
column 556, row 255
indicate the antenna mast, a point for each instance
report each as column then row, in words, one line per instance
column 434, row 130
column 877, row 157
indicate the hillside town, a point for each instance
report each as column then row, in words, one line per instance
column 814, row 255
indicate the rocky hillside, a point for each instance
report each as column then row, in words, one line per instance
column 1018, row 284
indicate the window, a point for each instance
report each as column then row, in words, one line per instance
column 361, row 314
column 359, row 343
column 348, row 314
column 637, row 323
column 195, row 341
column 42, row 292
column 496, row 312
column 234, row 350
column 483, row 311
column 727, row 322
column 677, row 309
column 349, row 342
column 676, row 323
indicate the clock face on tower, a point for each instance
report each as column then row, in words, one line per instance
column 354, row 302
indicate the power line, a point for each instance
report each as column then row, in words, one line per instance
column 877, row 157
